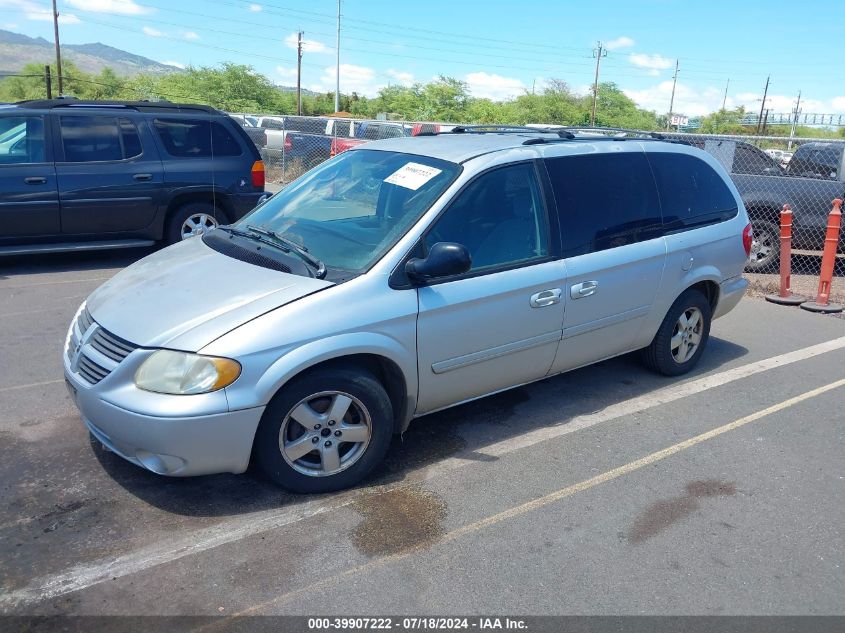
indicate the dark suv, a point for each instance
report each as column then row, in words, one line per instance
column 104, row 174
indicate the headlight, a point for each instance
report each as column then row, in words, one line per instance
column 180, row 373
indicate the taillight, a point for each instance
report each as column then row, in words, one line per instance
column 333, row 149
column 258, row 174
column 747, row 238
column 288, row 142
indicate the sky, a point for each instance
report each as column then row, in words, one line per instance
column 500, row 48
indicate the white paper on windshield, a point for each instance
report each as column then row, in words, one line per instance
column 412, row 176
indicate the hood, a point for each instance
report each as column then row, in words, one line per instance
column 185, row 296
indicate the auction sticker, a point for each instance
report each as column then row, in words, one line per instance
column 412, row 176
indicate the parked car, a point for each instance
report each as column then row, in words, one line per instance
column 313, row 149
column 398, row 279
column 813, row 178
column 90, row 175
column 278, row 127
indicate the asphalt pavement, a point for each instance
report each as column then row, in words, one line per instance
column 608, row 490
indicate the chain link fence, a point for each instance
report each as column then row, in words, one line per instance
column 805, row 173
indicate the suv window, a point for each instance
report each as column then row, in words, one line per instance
column 340, row 128
column 21, row 140
column 305, row 125
column 99, row 138
column 499, row 217
column 604, row 201
column 750, row 160
column 196, row 138
column 691, row 192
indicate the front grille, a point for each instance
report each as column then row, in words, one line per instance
column 101, row 354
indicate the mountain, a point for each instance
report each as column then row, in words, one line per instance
column 17, row 50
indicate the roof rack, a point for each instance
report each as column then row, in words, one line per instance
column 73, row 102
column 497, row 129
column 617, row 130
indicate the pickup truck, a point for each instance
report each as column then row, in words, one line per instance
column 277, row 129
column 313, row 149
column 808, row 184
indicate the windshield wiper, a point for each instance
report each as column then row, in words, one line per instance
column 288, row 246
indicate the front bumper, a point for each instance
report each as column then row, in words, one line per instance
column 181, row 445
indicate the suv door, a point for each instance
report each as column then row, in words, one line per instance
column 611, row 235
column 497, row 325
column 109, row 179
column 29, row 199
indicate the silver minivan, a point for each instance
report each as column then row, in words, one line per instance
column 400, row 278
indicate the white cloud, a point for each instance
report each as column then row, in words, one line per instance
column 360, row 79
column 175, row 64
column 308, row 46
column 404, row 78
column 619, row 42
column 287, row 75
column 11, row 25
column 688, row 100
column 190, row 35
column 120, row 7
column 651, row 62
column 255, row 8
column 492, row 86
column 33, row 11
column 148, row 30
column 838, row 104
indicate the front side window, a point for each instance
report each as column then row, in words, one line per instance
column 196, row 138
column 499, row 217
column 352, row 209
column 21, row 140
column 691, row 192
column 748, row 160
column 604, row 201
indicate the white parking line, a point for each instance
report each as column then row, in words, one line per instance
column 86, row 575
column 31, row 384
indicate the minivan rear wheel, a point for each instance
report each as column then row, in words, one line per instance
column 682, row 337
column 191, row 219
column 325, row 431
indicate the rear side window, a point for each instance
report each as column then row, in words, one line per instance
column 749, row 160
column 196, row 138
column 691, row 192
column 604, row 201
column 21, row 140
column 813, row 162
column 99, row 138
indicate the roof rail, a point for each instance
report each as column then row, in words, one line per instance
column 498, row 129
column 73, row 102
column 619, row 130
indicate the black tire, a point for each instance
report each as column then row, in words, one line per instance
column 765, row 253
column 659, row 356
column 357, row 383
column 173, row 230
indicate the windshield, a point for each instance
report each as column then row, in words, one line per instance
column 352, row 209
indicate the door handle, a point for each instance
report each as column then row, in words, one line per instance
column 143, row 176
column 584, row 289
column 35, row 180
column 545, row 298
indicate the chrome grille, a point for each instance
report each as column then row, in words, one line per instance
column 102, row 351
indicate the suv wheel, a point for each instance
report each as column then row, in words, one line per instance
column 325, row 431
column 194, row 218
column 682, row 337
column 765, row 247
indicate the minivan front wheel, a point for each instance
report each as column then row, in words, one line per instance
column 682, row 337
column 194, row 218
column 325, row 431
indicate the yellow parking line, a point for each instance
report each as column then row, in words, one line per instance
column 548, row 499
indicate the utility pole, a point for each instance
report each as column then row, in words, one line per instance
column 763, row 105
column 299, row 73
column 725, row 98
column 48, row 82
column 58, row 50
column 598, row 53
column 672, row 100
column 337, row 76
column 794, row 122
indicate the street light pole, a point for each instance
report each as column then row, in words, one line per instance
column 672, row 100
column 794, row 122
column 299, row 73
column 763, row 105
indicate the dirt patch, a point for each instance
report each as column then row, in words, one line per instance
column 398, row 520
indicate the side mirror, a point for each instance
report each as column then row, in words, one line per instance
column 444, row 259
